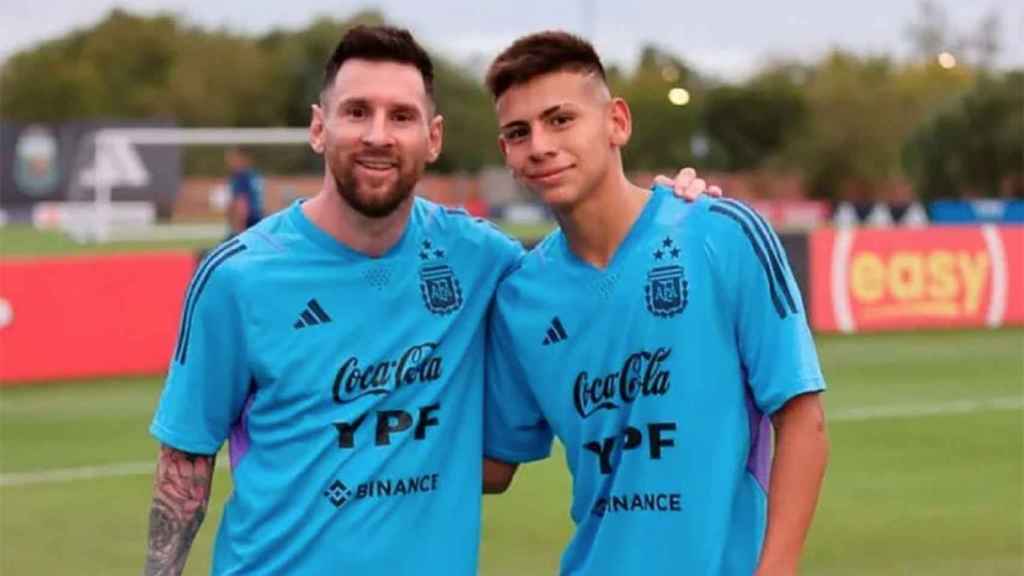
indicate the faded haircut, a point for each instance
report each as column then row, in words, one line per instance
column 542, row 53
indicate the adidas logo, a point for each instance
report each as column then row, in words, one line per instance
column 312, row 315
column 556, row 332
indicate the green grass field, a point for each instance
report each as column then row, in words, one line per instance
column 20, row 240
column 927, row 437
column 24, row 241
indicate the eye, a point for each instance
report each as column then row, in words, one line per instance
column 516, row 134
column 403, row 116
column 356, row 112
column 561, row 119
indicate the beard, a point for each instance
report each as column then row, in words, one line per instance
column 372, row 205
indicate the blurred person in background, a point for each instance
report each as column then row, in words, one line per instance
column 659, row 341
column 339, row 346
column 245, row 207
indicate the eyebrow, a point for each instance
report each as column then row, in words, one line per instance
column 394, row 106
column 347, row 102
column 547, row 113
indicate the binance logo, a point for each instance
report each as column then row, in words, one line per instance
column 338, row 494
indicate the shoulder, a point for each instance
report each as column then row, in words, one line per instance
column 217, row 274
column 734, row 215
column 738, row 227
column 543, row 256
column 537, row 268
column 271, row 235
column 237, row 257
column 725, row 227
column 458, row 225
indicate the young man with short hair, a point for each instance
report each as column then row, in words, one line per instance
column 655, row 339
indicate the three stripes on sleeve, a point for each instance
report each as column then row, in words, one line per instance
column 767, row 249
column 195, row 289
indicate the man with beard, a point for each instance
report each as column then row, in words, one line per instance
column 339, row 344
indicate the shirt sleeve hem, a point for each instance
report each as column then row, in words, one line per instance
column 183, row 442
column 517, row 456
column 811, row 385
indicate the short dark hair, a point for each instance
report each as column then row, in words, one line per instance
column 382, row 44
column 542, row 53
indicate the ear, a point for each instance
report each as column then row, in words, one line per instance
column 316, row 129
column 435, row 138
column 621, row 122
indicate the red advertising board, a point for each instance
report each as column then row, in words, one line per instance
column 75, row 317
column 891, row 279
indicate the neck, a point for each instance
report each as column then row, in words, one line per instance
column 370, row 236
column 596, row 226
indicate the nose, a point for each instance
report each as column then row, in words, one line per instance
column 377, row 133
column 541, row 145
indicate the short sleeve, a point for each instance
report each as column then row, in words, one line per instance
column 209, row 380
column 514, row 428
column 774, row 340
column 508, row 251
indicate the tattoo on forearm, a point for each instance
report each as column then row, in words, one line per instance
column 181, row 492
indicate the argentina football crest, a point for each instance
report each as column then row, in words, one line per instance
column 441, row 291
column 666, row 290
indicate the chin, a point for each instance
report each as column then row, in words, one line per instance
column 374, row 201
column 383, row 204
column 559, row 196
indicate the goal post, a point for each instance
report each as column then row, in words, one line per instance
column 116, row 163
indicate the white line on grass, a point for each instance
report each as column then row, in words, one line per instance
column 918, row 410
column 82, row 473
column 849, row 415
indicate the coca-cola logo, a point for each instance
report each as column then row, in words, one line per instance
column 416, row 365
column 641, row 375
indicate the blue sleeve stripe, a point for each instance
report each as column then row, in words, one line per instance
column 780, row 256
column 774, row 252
column 192, row 286
column 779, row 308
column 765, row 227
column 199, row 291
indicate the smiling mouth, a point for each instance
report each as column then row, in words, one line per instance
column 548, row 174
column 376, row 164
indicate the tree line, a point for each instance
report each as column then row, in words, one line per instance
column 844, row 120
